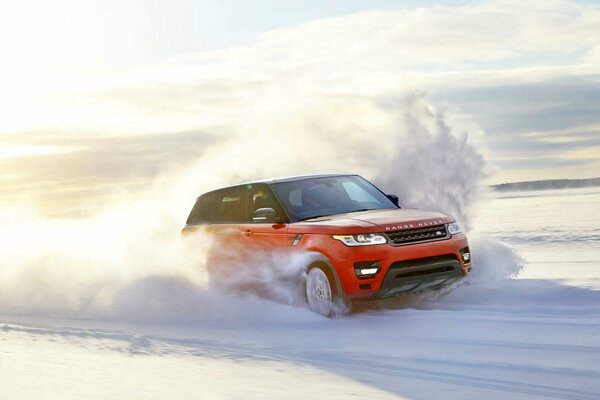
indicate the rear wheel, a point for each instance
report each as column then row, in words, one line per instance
column 319, row 293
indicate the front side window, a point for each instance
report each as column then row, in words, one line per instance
column 261, row 196
column 313, row 197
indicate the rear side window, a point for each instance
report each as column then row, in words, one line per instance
column 204, row 211
column 230, row 208
column 221, row 206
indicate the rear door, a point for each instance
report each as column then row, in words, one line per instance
column 227, row 226
column 217, row 222
column 226, row 217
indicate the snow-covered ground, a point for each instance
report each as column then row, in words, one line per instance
column 536, row 336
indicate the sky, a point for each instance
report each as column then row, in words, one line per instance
column 103, row 94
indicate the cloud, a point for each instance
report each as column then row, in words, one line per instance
column 366, row 53
column 76, row 182
column 547, row 105
column 508, row 67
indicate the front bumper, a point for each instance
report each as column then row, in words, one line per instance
column 418, row 275
column 403, row 269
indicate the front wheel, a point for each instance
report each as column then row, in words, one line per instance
column 319, row 293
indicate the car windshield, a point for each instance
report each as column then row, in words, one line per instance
column 315, row 197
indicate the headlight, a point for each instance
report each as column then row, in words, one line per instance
column 365, row 239
column 454, row 228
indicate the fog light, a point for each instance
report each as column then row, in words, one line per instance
column 368, row 271
column 465, row 253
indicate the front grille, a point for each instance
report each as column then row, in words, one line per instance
column 407, row 236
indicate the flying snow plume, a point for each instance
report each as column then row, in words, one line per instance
column 408, row 147
column 125, row 262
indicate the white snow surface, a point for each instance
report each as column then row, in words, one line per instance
column 494, row 335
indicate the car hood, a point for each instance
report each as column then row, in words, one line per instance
column 373, row 221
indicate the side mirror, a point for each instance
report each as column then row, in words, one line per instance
column 266, row 215
column 393, row 198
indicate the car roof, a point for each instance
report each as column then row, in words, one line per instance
column 283, row 179
column 297, row 178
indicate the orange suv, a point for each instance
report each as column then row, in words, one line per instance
column 367, row 245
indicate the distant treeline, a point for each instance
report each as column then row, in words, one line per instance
column 547, row 184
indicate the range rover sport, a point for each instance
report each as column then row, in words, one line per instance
column 369, row 246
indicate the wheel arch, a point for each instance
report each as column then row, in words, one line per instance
column 322, row 261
